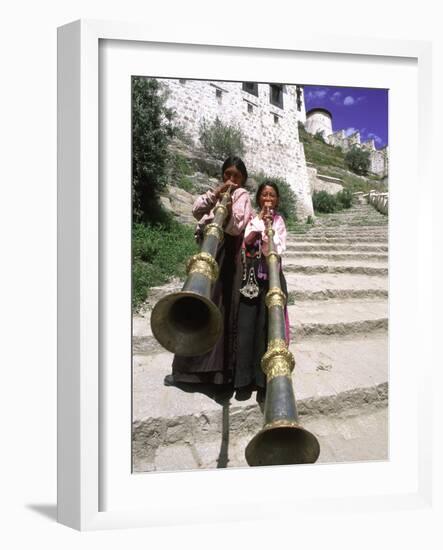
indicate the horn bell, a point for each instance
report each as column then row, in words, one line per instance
column 186, row 323
column 282, row 443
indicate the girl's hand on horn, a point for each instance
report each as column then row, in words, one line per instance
column 226, row 186
column 266, row 213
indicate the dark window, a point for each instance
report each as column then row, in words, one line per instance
column 250, row 109
column 182, row 80
column 251, row 88
column 276, row 119
column 218, row 95
column 298, row 92
column 276, row 95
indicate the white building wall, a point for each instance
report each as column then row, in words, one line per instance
column 337, row 139
column 379, row 162
column 270, row 132
column 319, row 122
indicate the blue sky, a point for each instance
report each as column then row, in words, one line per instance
column 363, row 109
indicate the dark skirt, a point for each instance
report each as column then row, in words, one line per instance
column 217, row 366
column 252, row 338
column 235, row 360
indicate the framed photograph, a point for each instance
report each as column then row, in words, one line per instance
column 133, row 451
column 201, row 410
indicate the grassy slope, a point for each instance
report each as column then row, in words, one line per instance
column 330, row 161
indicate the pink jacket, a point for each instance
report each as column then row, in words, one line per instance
column 202, row 210
column 256, row 227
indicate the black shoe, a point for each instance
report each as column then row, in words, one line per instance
column 261, row 395
column 243, row 394
column 169, row 380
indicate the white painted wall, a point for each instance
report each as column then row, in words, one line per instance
column 270, row 132
column 319, row 121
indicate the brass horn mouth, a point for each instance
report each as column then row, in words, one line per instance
column 186, row 323
column 282, row 443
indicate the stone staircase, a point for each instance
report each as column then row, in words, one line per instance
column 337, row 275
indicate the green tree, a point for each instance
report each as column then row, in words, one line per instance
column 152, row 130
column 221, row 140
column 357, row 160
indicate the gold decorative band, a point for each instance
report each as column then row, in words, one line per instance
column 204, row 264
column 215, row 230
column 278, row 360
column 221, row 208
column 277, row 344
column 281, row 423
column 279, row 367
column 273, row 256
column 275, row 297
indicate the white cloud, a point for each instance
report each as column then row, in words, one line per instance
column 336, row 97
column 348, row 100
column 317, row 94
column 350, row 131
column 376, row 138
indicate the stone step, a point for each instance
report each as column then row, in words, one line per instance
column 361, row 216
column 340, row 229
column 336, row 294
column 376, row 235
column 336, row 316
column 329, row 240
column 336, row 269
column 325, row 367
column 330, row 282
column 291, row 256
column 319, row 246
column 293, row 260
column 332, row 377
column 307, row 319
column 355, row 434
column 353, row 222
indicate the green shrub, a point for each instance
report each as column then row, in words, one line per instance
column 159, row 252
column 179, row 171
column 221, row 140
column 324, row 202
column 357, row 160
column 152, row 131
column 344, row 198
column 320, row 136
column 183, row 135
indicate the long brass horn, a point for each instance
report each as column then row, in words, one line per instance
column 282, row 439
column 187, row 322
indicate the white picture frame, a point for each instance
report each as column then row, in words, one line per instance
column 82, row 440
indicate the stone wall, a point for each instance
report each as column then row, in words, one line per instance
column 319, row 182
column 378, row 158
column 379, row 162
column 270, row 131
